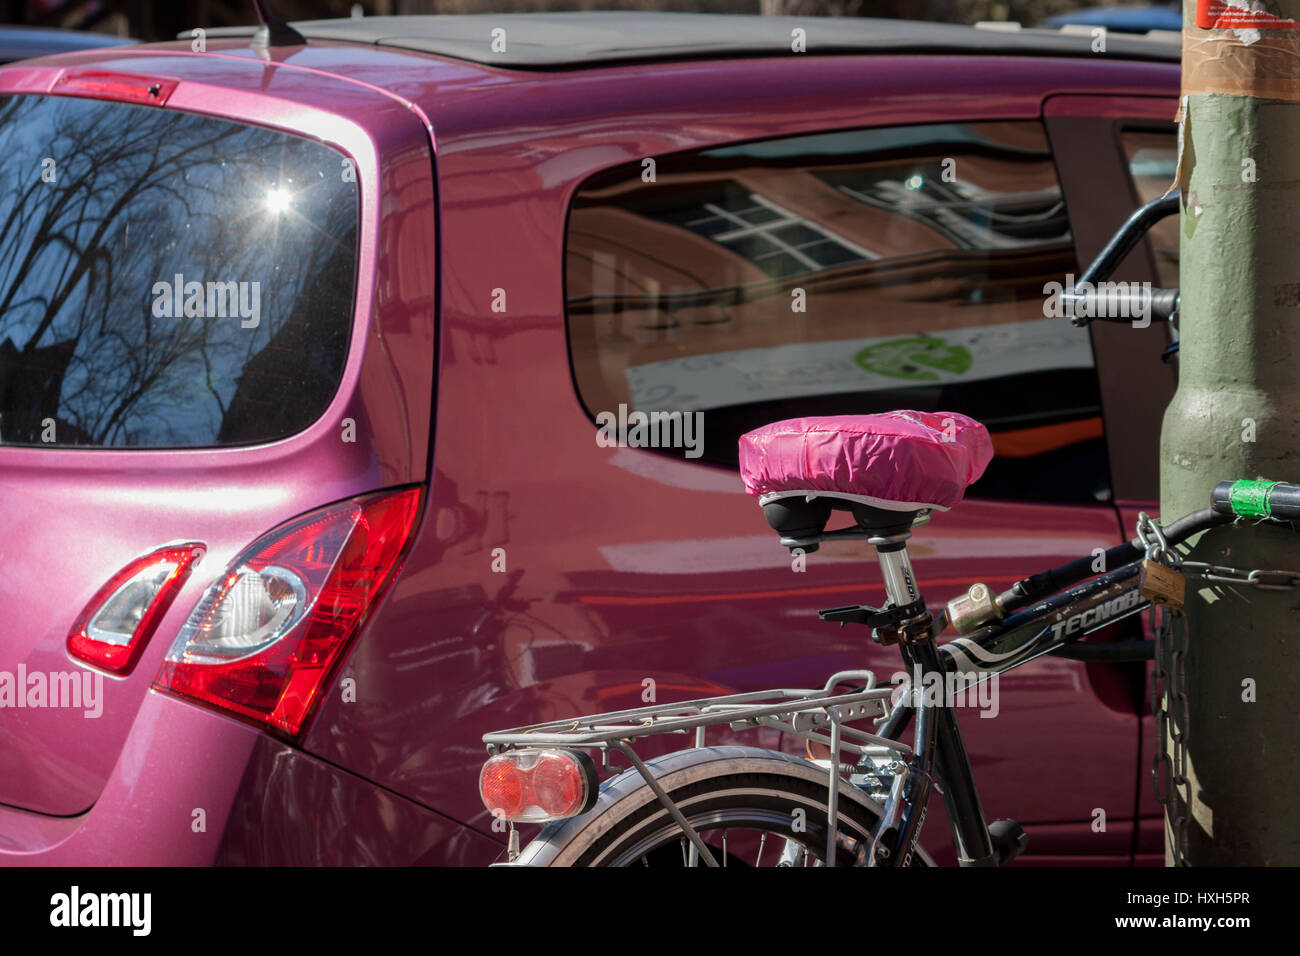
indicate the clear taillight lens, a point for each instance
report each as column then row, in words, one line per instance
column 247, row 612
column 112, row 630
column 267, row 634
column 533, row 786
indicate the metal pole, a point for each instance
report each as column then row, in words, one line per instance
column 1236, row 414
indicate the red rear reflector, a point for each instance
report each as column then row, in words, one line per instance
column 150, row 90
column 502, row 784
column 533, row 786
column 112, row 630
column 267, row 634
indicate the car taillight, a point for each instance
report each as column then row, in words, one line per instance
column 267, row 634
column 114, row 627
column 533, row 786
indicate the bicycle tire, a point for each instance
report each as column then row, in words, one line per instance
column 744, row 788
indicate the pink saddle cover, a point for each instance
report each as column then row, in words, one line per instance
column 900, row 460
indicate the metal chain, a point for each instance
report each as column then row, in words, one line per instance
column 1169, row 704
column 1258, row 578
column 1152, row 537
column 1169, row 701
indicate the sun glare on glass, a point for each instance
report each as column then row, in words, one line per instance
column 277, row 200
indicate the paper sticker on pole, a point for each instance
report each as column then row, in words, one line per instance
column 1237, row 48
column 1238, row 15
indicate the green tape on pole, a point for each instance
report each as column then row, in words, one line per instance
column 1249, row 499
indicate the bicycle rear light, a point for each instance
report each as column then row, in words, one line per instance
column 267, row 634
column 534, row 786
column 115, row 625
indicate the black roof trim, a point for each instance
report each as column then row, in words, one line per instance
column 541, row 41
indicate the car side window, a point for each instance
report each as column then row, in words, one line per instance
column 842, row 273
column 1152, row 157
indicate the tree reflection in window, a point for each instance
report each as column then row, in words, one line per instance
column 139, row 195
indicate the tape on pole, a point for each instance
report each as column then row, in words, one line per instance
column 1250, row 499
column 1239, row 51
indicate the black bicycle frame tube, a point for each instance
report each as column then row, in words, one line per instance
column 951, row 765
column 916, row 794
column 1046, row 583
column 1048, row 625
column 898, row 719
column 939, row 751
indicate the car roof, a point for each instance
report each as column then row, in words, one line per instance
column 558, row 41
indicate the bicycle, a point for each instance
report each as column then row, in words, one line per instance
column 890, row 473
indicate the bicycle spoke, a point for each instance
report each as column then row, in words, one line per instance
column 753, row 826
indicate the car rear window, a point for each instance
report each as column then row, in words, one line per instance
column 846, row 272
column 167, row 279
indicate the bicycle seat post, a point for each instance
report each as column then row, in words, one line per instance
column 904, row 616
column 896, row 567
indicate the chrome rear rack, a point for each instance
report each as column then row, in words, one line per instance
column 800, row 712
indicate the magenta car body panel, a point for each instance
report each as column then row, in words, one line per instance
column 53, row 760
column 548, row 575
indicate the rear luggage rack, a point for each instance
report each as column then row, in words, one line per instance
column 803, row 713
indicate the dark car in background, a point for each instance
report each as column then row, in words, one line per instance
column 22, row 43
column 302, row 353
column 1126, row 19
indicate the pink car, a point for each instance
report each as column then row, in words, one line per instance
column 371, row 388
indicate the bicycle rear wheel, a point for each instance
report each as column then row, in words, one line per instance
column 752, row 807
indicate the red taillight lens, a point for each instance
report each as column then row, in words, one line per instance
column 533, row 786
column 114, row 627
column 502, row 784
column 267, row 634
column 558, row 785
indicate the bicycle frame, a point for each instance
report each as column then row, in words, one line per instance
column 937, row 755
column 939, row 752
column 1048, row 613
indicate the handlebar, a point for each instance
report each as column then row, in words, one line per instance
column 1257, row 499
column 1045, row 583
column 1132, row 301
column 1229, row 501
column 1123, row 305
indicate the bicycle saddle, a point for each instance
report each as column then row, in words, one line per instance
column 884, row 469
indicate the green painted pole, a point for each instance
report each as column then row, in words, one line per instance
column 1236, row 414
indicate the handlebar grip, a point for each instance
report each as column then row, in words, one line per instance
column 1124, row 303
column 1257, row 499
